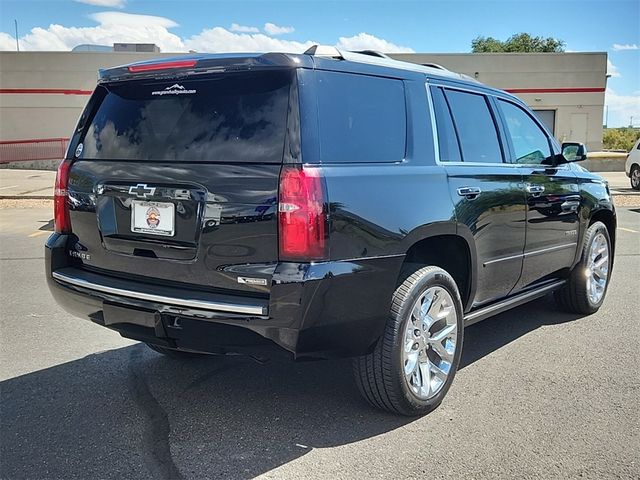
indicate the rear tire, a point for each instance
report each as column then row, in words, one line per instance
column 635, row 177
column 587, row 286
column 177, row 354
column 415, row 361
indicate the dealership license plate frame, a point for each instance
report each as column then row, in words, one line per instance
column 139, row 215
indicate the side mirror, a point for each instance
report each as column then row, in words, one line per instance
column 573, row 152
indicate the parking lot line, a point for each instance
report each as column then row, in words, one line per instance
column 628, row 230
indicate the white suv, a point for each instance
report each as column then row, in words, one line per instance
column 632, row 167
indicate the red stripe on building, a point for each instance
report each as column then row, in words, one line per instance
column 45, row 91
column 554, row 90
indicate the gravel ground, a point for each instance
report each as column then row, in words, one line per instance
column 9, row 203
column 626, row 200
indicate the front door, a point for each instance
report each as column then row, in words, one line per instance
column 552, row 195
column 487, row 193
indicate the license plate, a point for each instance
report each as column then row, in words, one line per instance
column 153, row 218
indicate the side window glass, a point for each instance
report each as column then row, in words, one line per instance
column 530, row 142
column 475, row 126
column 447, row 139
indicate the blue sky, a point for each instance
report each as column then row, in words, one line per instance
column 428, row 26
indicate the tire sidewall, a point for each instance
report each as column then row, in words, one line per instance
column 431, row 278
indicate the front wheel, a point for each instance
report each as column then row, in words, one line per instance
column 587, row 285
column 414, row 363
column 635, row 177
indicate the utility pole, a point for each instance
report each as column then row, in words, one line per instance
column 15, row 22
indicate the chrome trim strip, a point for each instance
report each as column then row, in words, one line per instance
column 550, row 249
column 509, row 303
column 532, row 253
column 434, row 128
column 181, row 302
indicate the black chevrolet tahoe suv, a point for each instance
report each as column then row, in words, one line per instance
column 328, row 204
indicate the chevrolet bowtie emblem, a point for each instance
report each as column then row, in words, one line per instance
column 141, row 190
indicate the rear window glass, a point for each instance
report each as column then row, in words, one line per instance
column 361, row 118
column 231, row 118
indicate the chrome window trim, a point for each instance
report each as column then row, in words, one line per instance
column 180, row 302
column 488, row 93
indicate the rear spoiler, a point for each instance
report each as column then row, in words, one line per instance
column 191, row 65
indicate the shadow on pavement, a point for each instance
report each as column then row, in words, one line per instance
column 130, row 412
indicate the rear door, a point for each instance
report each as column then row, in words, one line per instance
column 175, row 181
column 553, row 196
column 487, row 192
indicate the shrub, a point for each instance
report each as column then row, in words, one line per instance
column 620, row 138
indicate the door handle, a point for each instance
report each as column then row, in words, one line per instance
column 471, row 193
column 535, row 190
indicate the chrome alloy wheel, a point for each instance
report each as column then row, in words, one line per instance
column 597, row 268
column 430, row 342
column 635, row 177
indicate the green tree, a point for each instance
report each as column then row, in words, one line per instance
column 520, row 42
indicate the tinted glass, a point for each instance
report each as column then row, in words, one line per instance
column 530, row 143
column 475, row 126
column 447, row 140
column 361, row 118
column 233, row 118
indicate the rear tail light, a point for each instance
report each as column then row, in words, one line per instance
column 302, row 218
column 60, row 197
column 150, row 67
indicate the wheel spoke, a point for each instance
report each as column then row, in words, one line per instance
column 441, row 371
column 425, row 374
column 442, row 351
column 446, row 332
column 411, row 362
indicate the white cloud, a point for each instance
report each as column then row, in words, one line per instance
column 7, row 42
column 119, row 27
column 112, row 27
column 273, row 29
column 121, row 19
column 622, row 108
column 365, row 41
column 104, row 3
column 612, row 70
column 624, row 46
column 219, row 39
column 243, row 28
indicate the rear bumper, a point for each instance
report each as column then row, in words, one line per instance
column 326, row 309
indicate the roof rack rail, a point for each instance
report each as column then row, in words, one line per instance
column 375, row 58
column 373, row 53
column 434, row 65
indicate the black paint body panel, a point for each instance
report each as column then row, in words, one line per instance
column 227, row 228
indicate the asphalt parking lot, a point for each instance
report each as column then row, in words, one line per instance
column 541, row 394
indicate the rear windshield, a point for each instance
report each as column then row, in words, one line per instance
column 231, row 118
